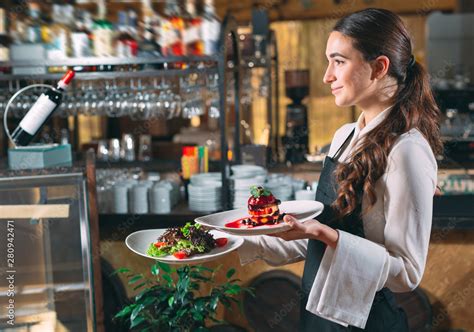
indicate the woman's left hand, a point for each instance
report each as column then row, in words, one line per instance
column 312, row 229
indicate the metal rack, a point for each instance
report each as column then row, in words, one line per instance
column 270, row 62
column 222, row 63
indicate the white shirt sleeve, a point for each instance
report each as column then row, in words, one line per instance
column 272, row 250
column 410, row 186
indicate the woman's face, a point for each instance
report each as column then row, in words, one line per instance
column 349, row 75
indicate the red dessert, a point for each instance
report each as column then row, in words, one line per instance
column 263, row 207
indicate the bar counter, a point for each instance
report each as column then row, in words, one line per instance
column 450, row 212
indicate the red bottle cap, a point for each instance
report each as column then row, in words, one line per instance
column 68, row 77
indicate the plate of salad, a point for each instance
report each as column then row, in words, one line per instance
column 189, row 244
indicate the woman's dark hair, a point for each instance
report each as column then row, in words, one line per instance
column 376, row 32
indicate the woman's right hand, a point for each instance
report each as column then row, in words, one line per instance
column 311, row 229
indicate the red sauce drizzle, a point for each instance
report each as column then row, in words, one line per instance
column 239, row 224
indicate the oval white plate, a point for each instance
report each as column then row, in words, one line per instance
column 302, row 210
column 140, row 241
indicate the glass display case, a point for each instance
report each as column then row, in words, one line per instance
column 46, row 258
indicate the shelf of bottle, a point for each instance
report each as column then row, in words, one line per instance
column 101, row 75
column 112, row 61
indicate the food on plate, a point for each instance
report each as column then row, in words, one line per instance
column 262, row 207
column 183, row 242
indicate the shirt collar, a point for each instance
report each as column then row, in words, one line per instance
column 361, row 130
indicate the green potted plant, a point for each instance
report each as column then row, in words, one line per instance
column 164, row 304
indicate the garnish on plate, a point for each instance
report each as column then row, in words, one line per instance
column 183, row 242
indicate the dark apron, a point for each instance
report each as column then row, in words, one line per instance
column 384, row 315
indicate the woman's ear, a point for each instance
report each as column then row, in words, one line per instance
column 380, row 67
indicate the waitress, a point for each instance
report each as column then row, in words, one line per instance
column 377, row 184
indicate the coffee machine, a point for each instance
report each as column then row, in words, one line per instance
column 295, row 141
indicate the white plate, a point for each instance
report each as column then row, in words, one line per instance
column 139, row 242
column 302, row 210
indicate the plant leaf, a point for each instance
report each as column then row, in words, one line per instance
column 125, row 311
column 135, row 279
column 181, row 312
column 230, row 273
column 250, row 290
column 201, row 329
column 171, row 301
column 233, row 290
column 167, row 278
column 165, row 267
column 197, row 316
column 137, row 321
column 136, row 311
column 155, row 269
column 120, row 270
column 139, row 286
column 141, row 294
column 148, row 301
column 214, row 303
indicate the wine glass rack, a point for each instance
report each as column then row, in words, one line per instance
column 224, row 62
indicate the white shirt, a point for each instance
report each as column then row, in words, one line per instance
column 397, row 231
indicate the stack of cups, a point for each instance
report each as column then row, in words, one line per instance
column 138, row 197
column 120, row 193
column 160, row 198
column 119, row 198
column 173, row 187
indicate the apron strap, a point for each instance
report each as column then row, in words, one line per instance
column 344, row 145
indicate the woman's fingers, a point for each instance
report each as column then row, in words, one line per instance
column 294, row 223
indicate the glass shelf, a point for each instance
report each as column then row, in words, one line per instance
column 114, row 61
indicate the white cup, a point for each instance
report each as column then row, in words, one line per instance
column 138, row 199
column 305, row 195
column 120, row 198
column 160, row 199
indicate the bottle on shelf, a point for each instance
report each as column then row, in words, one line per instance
column 58, row 46
column 133, row 24
column 40, row 112
column 210, row 28
column 35, row 27
column 103, row 33
column 126, row 45
column 148, row 44
column 172, row 30
column 81, row 40
column 191, row 36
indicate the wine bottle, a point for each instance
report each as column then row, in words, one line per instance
column 40, row 112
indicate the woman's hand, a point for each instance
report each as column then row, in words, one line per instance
column 312, row 229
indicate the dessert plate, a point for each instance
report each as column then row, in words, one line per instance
column 139, row 241
column 301, row 210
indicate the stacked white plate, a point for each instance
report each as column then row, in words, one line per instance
column 281, row 186
column 205, row 192
column 248, row 170
column 244, row 177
